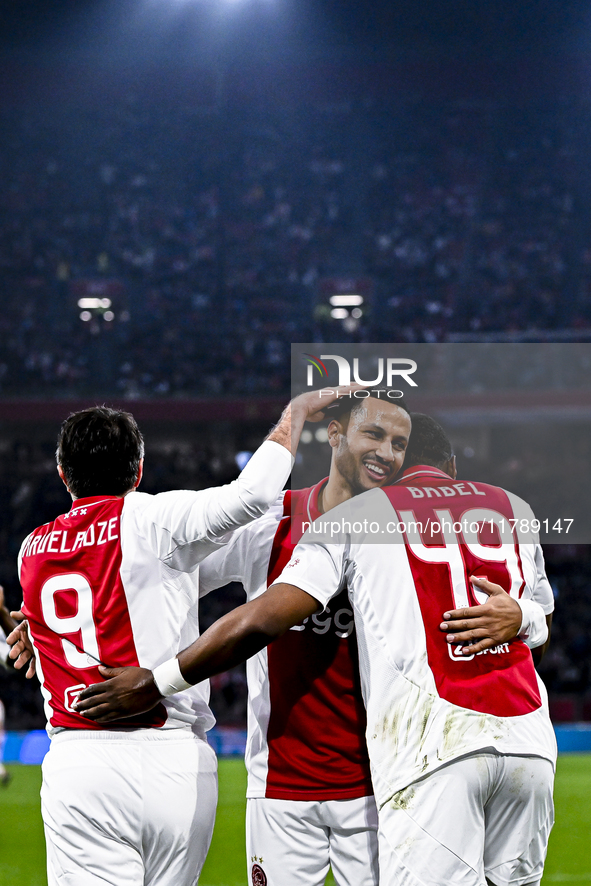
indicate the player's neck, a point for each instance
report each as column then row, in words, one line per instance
column 336, row 491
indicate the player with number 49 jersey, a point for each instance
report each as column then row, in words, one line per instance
column 426, row 702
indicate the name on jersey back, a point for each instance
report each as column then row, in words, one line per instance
column 66, row 541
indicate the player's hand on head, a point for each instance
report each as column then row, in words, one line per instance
column 21, row 652
column 483, row 627
column 125, row 692
column 314, row 403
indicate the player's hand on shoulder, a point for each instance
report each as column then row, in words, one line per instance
column 125, row 692
column 483, row 627
column 21, row 652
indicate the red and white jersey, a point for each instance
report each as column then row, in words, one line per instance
column 426, row 703
column 306, row 720
column 115, row 580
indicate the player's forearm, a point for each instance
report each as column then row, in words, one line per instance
column 229, row 641
column 244, row 631
column 7, row 623
column 539, row 652
column 255, row 490
column 237, row 636
column 288, row 430
column 306, row 407
column 281, row 433
column 234, row 638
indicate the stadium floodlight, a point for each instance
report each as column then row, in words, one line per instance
column 94, row 304
column 346, row 301
column 339, row 313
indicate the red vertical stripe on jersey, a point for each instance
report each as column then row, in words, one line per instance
column 86, row 543
column 316, row 730
column 501, row 682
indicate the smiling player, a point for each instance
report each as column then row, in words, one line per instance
column 310, row 798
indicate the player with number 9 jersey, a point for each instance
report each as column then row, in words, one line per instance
column 114, row 581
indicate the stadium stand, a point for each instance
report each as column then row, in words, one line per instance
column 210, row 241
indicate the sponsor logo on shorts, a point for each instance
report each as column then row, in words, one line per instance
column 259, row 878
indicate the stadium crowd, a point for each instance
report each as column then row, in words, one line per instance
column 210, row 234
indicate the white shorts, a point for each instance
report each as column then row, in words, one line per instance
column 293, row 842
column 484, row 815
column 132, row 809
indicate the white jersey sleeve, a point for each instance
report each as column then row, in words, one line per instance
column 542, row 592
column 246, row 556
column 537, row 600
column 318, row 569
column 536, row 603
column 183, row 527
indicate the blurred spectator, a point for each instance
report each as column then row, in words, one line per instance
column 214, row 234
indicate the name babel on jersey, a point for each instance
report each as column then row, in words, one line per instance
column 426, row 702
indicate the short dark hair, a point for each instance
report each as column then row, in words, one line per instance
column 99, row 450
column 345, row 405
column 428, row 444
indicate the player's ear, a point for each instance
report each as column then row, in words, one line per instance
column 140, row 473
column 60, row 471
column 451, row 468
column 334, row 431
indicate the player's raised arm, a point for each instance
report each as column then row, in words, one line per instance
column 230, row 640
column 264, row 476
column 310, row 406
column 184, row 527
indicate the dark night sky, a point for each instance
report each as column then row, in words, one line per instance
column 499, row 27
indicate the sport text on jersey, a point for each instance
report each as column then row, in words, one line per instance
column 67, row 541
